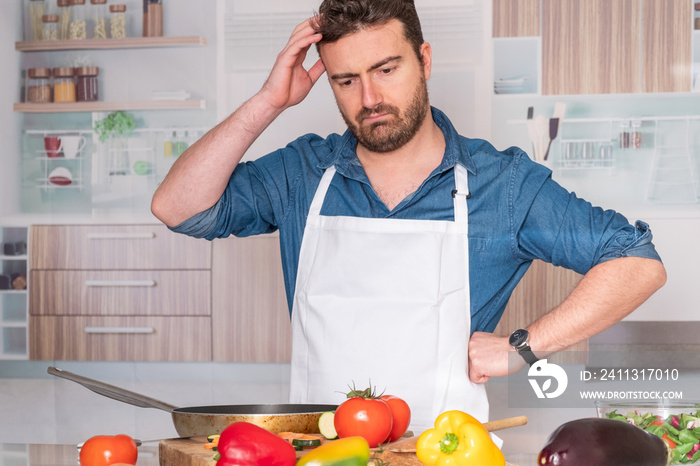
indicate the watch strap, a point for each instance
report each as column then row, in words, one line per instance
column 528, row 355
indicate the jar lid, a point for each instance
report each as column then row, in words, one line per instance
column 78, row 2
column 63, row 72
column 87, row 71
column 62, row 3
column 39, row 72
column 98, row 2
column 117, row 8
column 49, row 18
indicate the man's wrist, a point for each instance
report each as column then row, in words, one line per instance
column 519, row 340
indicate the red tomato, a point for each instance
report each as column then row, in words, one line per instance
column 369, row 418
column 104, row 450
column 400, row 416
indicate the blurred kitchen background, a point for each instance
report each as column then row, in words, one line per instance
column 622, row 77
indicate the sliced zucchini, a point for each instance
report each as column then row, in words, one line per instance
column 303, row 442
column 326, row 425
column 211, row 438
column 298, row 448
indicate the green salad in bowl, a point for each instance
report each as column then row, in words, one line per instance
column 676, row 422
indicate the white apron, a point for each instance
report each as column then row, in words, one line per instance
column 385, row 301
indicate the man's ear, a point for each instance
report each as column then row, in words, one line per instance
column 427, row 58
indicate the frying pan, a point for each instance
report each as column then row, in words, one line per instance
column 198, row 421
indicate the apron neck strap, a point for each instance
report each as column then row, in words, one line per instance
column 317, row 203
column 460, row 194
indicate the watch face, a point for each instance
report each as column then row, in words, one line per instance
column 518, row 338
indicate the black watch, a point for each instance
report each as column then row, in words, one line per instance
column 518, row 340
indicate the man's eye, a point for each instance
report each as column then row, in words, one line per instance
column 386, row 70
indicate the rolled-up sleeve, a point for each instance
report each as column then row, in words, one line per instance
column 557, row 226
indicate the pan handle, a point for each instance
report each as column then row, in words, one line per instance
column 110, row 391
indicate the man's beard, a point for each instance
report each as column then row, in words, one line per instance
column 387, row 136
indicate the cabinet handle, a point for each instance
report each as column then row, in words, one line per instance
column 119, row 330
column 135, row 283
column 121, row 235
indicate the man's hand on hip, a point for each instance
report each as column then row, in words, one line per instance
column 488, row 356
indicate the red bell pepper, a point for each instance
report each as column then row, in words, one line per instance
column 243, row 443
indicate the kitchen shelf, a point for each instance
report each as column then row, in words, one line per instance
column 61, row 107
column 126, row 43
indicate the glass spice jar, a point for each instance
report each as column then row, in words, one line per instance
column 86, row 84
column 98, row 15
column 38, row 85
column 64, row 84
column 50, row 28
column 37, row 9
column 624, row 135
column 78, row 23
column 117, row 21
column 152, row 18
column 64, row 14
column 636, row 134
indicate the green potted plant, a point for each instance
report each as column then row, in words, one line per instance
column 117, row 123
column 116, row 127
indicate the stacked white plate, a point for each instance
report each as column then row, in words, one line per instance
column 510, row 85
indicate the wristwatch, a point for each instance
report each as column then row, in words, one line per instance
column 518, row 340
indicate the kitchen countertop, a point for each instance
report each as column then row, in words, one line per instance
column 16, row 454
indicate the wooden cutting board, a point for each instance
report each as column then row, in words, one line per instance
column 191, row 452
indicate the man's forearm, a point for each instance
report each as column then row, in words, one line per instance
column 200, row 175
column 606, row 294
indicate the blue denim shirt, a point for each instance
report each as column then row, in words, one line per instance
column 517, row 213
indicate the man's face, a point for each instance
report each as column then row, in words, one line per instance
column 379, row 85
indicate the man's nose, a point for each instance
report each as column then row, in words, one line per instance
column 371, row 97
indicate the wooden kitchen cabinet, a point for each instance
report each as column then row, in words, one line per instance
column 118, row 292
column 666, row 46
column 543, row 287
column 250, row 318
column 590, row 47
column 128, row 338
column 516, row 18
column 616, row 47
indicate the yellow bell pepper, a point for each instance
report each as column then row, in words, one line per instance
column 349, row 451
column 458, row 439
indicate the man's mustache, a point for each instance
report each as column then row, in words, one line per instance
column 381, row 108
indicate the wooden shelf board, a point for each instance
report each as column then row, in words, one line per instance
column 62, row 107
column 126, row 43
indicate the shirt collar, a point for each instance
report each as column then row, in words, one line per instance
column 344, row 155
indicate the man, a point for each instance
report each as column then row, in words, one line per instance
column 385, row 276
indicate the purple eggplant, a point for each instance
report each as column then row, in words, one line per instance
column 603, row 442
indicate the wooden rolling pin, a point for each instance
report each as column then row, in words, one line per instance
column 408, row 445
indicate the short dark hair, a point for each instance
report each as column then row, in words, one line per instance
column 339, row 18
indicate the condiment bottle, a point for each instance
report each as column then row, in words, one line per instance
column 98, row 15
column 152, row 18
column 37, row 8
column 117, row 21
column 624, row 135
column 78, row 23
column 64, row 84
column 87, row 88
column 38, row 85
column 64, row 14
column 636, row 134
column 50, row 28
